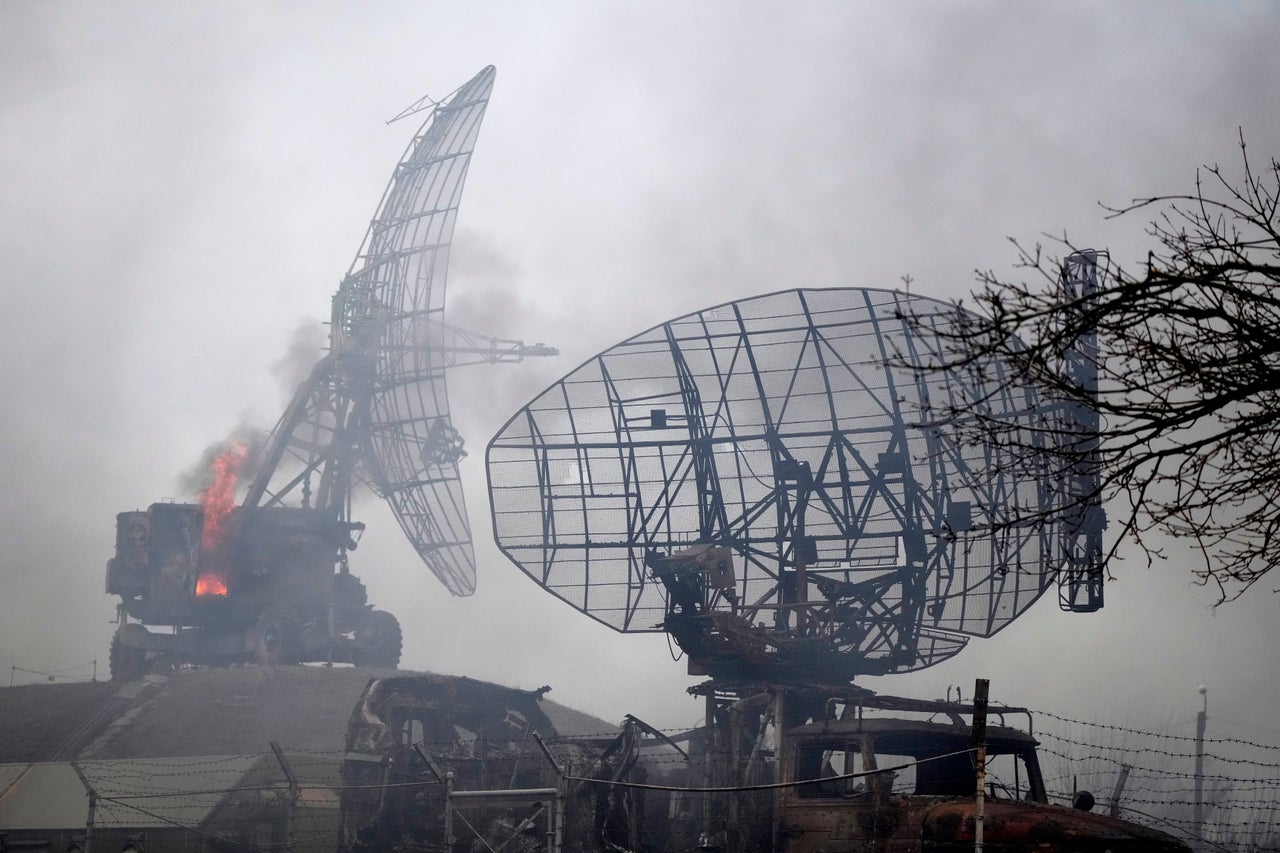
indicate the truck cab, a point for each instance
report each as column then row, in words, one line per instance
column 888, row 784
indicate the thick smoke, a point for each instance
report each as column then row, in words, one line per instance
column 485, row 287
column 305, row 348
column 199, row 477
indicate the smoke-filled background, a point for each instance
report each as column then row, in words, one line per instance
column 182, row 186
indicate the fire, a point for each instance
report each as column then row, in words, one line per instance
column 210, row 584
column 219, row 498
column 217, row 501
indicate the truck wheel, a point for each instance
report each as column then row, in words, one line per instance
column 276, row 637
column 127, row 663
column 380, row 641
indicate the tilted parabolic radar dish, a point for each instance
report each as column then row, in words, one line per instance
column 383, row 398
column 766, row 481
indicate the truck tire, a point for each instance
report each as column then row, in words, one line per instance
column 380, row 641
column 127, row 662
column 276, row 638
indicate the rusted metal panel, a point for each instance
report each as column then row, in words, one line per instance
column 1041, row 826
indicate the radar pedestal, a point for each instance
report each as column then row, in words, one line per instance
column 773, row 483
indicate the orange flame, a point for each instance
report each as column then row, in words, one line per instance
column 210, row 584
column 217, row 501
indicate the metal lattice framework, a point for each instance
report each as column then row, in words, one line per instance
column 376, row 407
column 1080, row 585
column 792, row 432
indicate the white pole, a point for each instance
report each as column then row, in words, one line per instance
column 1201, row 720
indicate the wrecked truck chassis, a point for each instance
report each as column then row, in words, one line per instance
column 433, row 758
column 231, row 645
column 914, row 788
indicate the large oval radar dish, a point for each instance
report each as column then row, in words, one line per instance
column 762, row 481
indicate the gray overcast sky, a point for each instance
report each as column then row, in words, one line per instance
column 183, row 185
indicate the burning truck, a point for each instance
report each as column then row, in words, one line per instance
column 240, row 584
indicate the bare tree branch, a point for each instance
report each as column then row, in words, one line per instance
column 1187, row 365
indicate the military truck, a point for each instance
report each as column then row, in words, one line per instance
column 272, row 587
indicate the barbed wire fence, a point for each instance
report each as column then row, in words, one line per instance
column 1149, row 777
column 87, row 671
column 1146, row 776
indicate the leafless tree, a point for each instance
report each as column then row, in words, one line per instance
column 1178, row 360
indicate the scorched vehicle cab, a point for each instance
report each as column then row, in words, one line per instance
column 919, row 794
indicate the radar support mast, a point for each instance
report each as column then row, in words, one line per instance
column 1080, row 581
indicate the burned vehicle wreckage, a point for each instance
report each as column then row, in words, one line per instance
column 437, row 763
column 254, row 586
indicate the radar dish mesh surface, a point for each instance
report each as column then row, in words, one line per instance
column 395, row 292
column 762, row 480
column 375, row 408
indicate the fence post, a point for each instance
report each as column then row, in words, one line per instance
column 1118, row 791
column 293, row 795
column 448, row 810
column 980, row 688
column 1201, row 721
column 93, row 806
